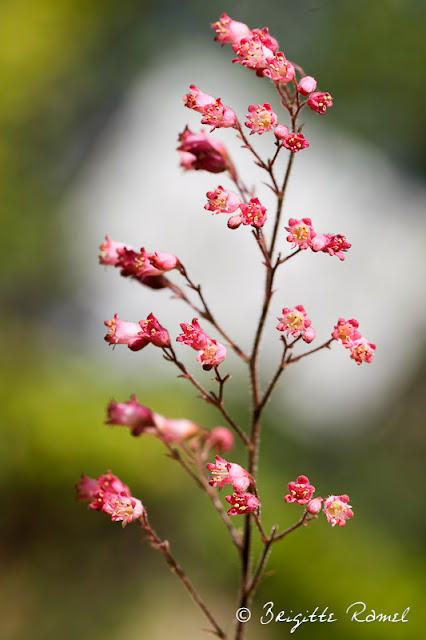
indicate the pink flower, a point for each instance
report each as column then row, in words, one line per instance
column 142, row 265
column 296, row 323
column 253, row 213
column 301, row 232
column 279, row 69
column 337, row 510
column 295, row 142
column 221, row 201
column 300, row 491
column 207, row 153
column 86, row 488
column 307, row 85
column 266, row 39
column 121, row 332
column 234, row 222
column 229, row 30
column 314, row 505
column 252, row 53
column 261, row 118
column 176, row 431
column 280, row 131
column 154, row 332
column 319, row 102
column 131, row 414
column 362, row 350
column 197, row 99
column 210, row 352
column 218, row 116
column 242, row 504
column 221, row 439
column 331, row 244
column 113, row 498
column 161, row 261
column 111, row 251
column 346, row 332
column 229, row 473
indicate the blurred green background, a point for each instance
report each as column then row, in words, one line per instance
column 65, row 67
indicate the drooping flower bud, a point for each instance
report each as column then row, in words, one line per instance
column 307, row 85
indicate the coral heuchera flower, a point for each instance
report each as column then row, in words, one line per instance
column 86, row 488
column 218, row 116
column 295, row 142
column 279, row 69
column 242, row 504
column 301, row 232
column 252, row 53
column 261, row 118
column 266, row 38
column 202, row 152
column 314, row 506
column 197, row 99
column 337, row 510
column 296, row 323
column 229, row 473
column 362, row 350
column 253, row 213
column 320, row 102
column 210, row 352
column 142, row 265
column 280, row 131
column 229, row 30
column 111, row 251
column 334, row 245
column 300, row 491
column 121, row 332
column 112, row 497
column 346, row 332
column 221, row 439
column 221, row 201
column 131, row 414
column 154, row 332
column 307, row 85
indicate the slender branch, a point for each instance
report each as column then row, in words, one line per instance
column 170, row 355
column 262, row 561
column 298, row 524
column 164, row 548
column 326, row 345
column 282, row 365
column 281, row 202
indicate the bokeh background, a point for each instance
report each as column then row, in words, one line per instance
column 90, row 111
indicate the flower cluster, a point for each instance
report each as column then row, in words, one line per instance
column 336, row 508
column 137, row 336
column 302, row 235
column 224, row 472
column 110, row 495
column 210, row 352
column 199, row 151
column 346, row 333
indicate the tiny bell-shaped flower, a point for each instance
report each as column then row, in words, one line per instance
column 300, row 491
column 320, row 102
column 301, row 232
column 295, row 142
column 131, row 414
column 261, row 118
column 337, row 510
column 242, row 504
column 307, row 85
column 228, row 30
column 362, row 350
column 221, row 201
column 111, row 251
column 202, row 152
column 253, row 213
column 229, row 473
column 210, row 352
column 296, row 323
column 221, row 439
column 346, row 332
column 121, row 332
column 154, row 332
column 314, row 506
column 280, row 132
column 279, row 69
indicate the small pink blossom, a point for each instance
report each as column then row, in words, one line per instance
column 314, row 505
column 143, row 265
column 346, row 332
column 266, row 38
column 234, row 222
column 334, row 245
column 242, row 504
column 307, row 85
column 229, row 30
column 300, row 491
column 261, row 118
column 337, row 510
column 253, row 213
column 279, row 69
column 131, row 414
column 362, row 350
column 218, row 116
column 221, row 439
column 295, row 142
column 197, row 99
column 210, row 352
column 229, row 473
column 320, row 102
column 280, row 131
column 154, row 332
column 175, row 431
column 109, row 482
column 111, row 251
column 121, row 332
column 221, row 201
column 296, row 323
column 206, row 153
column 113, row 498
column 86, row 488
column 301, row 232
column 252, row 53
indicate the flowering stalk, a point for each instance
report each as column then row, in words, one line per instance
column 187, row 443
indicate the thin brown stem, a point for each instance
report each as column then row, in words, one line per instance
column 326, row 345
column 164, row 548
column 262, row 561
